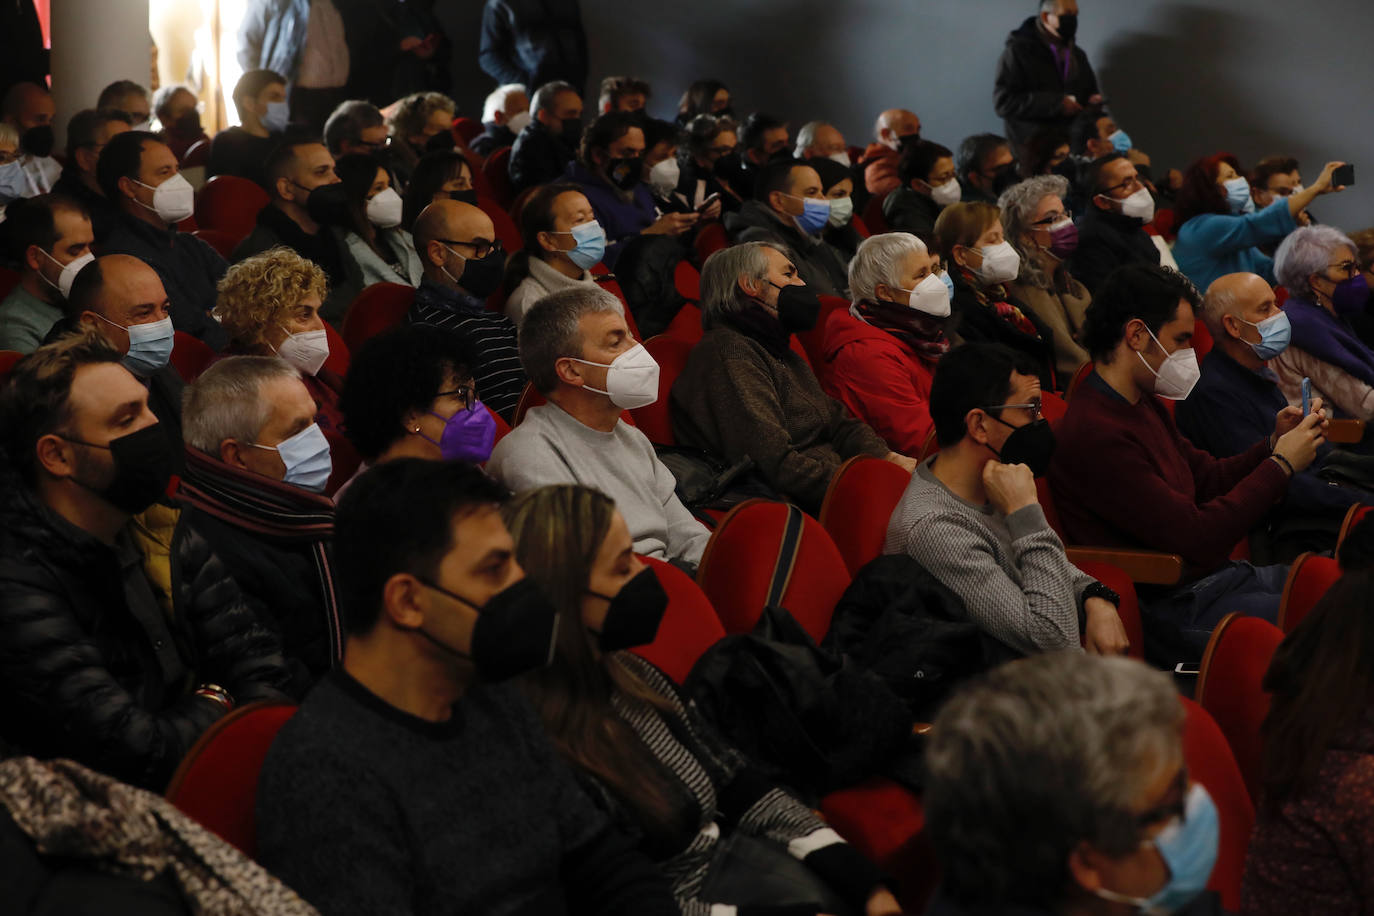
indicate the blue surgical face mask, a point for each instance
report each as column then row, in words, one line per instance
column 277, row 117
column 307, row 460
column 815, row 214
column 590, row 247
column 1120, row 141
column 12, row 183
column 1238, row 196
column 150, row 345
column 1189, row 848
column 948, row 282
column 1275, row 332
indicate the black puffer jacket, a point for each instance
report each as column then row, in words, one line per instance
column 84, row 678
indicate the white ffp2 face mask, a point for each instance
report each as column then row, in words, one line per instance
column 384, row 209
column 69, row 271
column 306, row 350
column 1178, row 373
column 947, row 193
column 1000, row 264
column 518, row 122
column 631, row 378
column 929, row 297
column 664, row 176
column 173, row 200
column 1139, row 205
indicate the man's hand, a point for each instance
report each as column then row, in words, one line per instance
column 712, row 211
column 672, row 224
column 1070, row 105
column 1103, row 633
column 1323, row 183
column 1095, row 99
column 1287, row 420
column 1009, row 486
column 902, row 461
column 1299, row 445
column 882, row 903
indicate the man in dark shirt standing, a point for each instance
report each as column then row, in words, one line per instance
column 260, row 97
column 413, row 780
column 139, row 173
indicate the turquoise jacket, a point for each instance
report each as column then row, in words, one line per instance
column 1213, row 245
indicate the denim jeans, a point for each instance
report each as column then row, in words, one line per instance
column 1179, row 623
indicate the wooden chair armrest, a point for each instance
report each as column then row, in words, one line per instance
column 1145, row 567
column 1344, row 432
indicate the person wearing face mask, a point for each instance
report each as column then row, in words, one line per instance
column 271, row 305
column 970, row 239
column 1123, row 476
column 881, row 354
column 1320, row 268
column 128, row 656
column 662, row 169
column 260, row 99
column 307, row 212
column 383, row 250
column 505, row 113
column 419, row 123
column 986, row 168
column 29, row 110
column 707, row 154
column 746, row 392
column 895, row 130
column 1236, row 399
column 438, row 176
column 563, row 241
column 1037, row 223
column 50, row 236
column 928, row 184
column 705, row 97
column 87, row 133
column 178, row 118
column 1111, row 231
column 590, row 377
column 610, row 171
column 13, row 184
column 763, row 140
column 138, row 172
column 837, row 184
column 971, row 517
column 463, row 266
column 1219, row 228
column 1094, row 815
column 256, row 468
column 421, row 721
column 790, row 209
column 549, row 142
column 628, row 730
column 1044, row 78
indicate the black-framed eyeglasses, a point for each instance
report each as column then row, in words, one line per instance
column 480, row 247
column 1034, row 406
column 1053, row 218
column 1171, row 809
column 378, row 145
column 1134, row 180
column 467, row 394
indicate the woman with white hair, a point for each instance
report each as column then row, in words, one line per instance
column 880, row 355
column 1041, row 229
column 1320, row 268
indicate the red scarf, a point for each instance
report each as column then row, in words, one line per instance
column 924, row 334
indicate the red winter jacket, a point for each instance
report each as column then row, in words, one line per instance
column 880, row 169
column 880, row 380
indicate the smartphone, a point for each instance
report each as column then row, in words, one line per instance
column 1343, row 176
column 1188, row 670
column 708, row 201
column 1306, row 396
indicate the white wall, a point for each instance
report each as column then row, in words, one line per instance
column 94, row 43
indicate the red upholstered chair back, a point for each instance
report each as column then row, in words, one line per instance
column 496, row 171
column 190, row 355
column 861, row 227
column 1308, row 580
column 1211, row 763
column 709, row 240
column 467, row 129
column 505, row 227
column 737, row 569
column 197, row 156
column 862, row 495
column 1053, row 406
column 687, row 279
column 686, row 324
column 339, row 354
column 690, row 625
column 813, row 341
column 1352, row 518
column 873, row 217
column 1202, row 339
column 1078, row 376
column 9, row 357
column 217, row 782
column 377, row 308
column 9, row 279
column 230, row 204
column 223, row 242
column 656, row 420
column 345, row 459
column 502, row 427
column 1229, row 688
column 886, row 822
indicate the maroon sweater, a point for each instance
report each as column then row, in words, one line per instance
column 1123, row 476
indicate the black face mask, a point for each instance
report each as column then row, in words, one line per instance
column 726, row 112
column 727, row 166
column 38, row 141
column 1068, row 26
column 481, row 276
column 625, row 172
column 1031, row 445
column 188, row 125
column 143, row 466
column 634, row 615
column 571, row 131
column 1005, row 176
column 515, row 631
column 909, row 140
column 441, row 142
column 467, row 197
column 780, row 155
column 328, row 204
column 798, row 308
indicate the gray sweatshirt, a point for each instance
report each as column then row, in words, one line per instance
column 1010, row 571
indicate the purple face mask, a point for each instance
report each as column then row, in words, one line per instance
column 1350, row 296
column 468, row 435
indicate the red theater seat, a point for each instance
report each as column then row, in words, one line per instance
column 1228, row 687
column 690, row 625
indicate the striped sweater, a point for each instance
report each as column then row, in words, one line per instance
column 498, row 375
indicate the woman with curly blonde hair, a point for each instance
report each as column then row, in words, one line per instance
column 269, row 305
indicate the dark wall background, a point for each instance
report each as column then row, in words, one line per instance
column 1184, row 79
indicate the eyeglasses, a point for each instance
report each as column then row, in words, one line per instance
column 1346, row 267
column 379, row 145
column 1033, row 406
column 1053, row 218
column 480, row 247
column 1168, row 810
column 467, row 394
column 1132, row 182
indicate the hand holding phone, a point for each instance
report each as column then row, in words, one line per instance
column 702, row 207
column 1344, row 176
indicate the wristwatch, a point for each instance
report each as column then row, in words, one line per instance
column 1098, row 590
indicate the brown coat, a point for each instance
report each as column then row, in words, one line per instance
column 1063, row 312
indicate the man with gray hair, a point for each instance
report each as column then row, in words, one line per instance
column 504, row 114
column 1082, row 800
column 820, row 140
column 256, row 469
column 578, row 351
column 549, row 142
column 356, row 126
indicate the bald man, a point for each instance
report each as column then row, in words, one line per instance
column 30, row 110
column 894, row 127
column 464, row 263
column 1235, row 402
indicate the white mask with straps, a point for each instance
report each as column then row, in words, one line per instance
column 1177, row 375
column 631, row 378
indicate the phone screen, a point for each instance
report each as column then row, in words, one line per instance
column 1306, row 396
column 1343, row 176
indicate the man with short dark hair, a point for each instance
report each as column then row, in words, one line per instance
column 790, row 209
column 463, row 263
column 1274, row 177
column 87, row 133
column 763, row 139
column 260, row 98
column 928, row 184
column 549, row 142
column 108, row 656
column 129, row 99
column 29, row 109
column 357, row 802
column 986, row 168
column 307, row 213
column 356, row 126
column 505, row 113
column 138, row 172
column 1111, row 231
column 971, row 517
column 50, row 236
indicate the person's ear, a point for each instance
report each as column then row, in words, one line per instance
column 778, row 201
column 569, row 371
column 1102, row 202
column 959, row 254
column 404, row 601
column 976, row 425
column 751, row 288
column 33, row 257
column 1083, row 868
column 127, row 187
column 1136, row 334
column 55, row 455
column 546, row 241
column 436, row 253
column 884, row 293
column 231, row 453
column 1231, row 324
column 285, row 190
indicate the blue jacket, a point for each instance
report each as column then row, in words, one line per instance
column 534, row 42
column 272, row 35
column 1213, row 245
